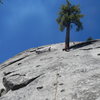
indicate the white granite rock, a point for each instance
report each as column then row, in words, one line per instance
column 48, row 73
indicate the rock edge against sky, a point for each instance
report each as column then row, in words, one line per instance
column 48, row 73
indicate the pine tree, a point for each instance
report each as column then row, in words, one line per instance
column 69, row 14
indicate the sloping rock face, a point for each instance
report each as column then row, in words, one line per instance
column 48, row 73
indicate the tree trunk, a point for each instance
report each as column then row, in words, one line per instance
column 67, row 38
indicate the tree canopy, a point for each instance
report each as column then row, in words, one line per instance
column 70, row 14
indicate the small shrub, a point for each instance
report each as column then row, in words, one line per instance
column 89, row 39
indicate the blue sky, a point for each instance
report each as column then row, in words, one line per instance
column 26, row 24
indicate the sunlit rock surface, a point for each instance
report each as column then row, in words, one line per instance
column 48, row 73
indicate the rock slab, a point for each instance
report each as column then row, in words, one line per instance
column 48, row 73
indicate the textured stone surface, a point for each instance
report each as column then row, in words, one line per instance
column 48, row 73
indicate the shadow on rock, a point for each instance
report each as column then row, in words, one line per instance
column 83, row 44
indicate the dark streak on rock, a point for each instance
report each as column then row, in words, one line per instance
column 87, row 49
column 97, row 47
column 7, row 73
column 38, row 65
column 61, row 84
column 18, row 74
column 19, row 63
column 62, row 90
column 39, row 87
column 12, row 62
column 98, row 54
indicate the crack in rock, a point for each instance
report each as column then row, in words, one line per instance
column 17, row 82
column 18, row 74
column 12, row 62
column 97, row 47
column 7, row 73
column 87, row 49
